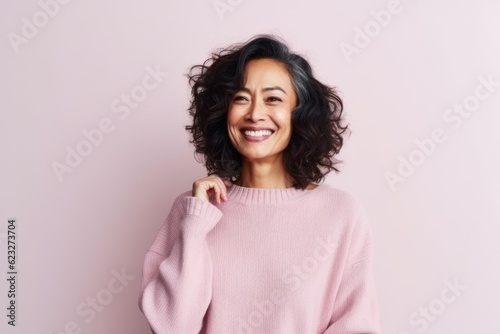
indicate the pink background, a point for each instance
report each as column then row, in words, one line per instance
column 440, row 223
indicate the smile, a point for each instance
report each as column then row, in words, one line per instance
column 259, row 133
column 256, row 136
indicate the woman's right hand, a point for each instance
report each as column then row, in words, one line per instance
column 211, row 186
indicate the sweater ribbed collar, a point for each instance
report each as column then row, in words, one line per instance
column 267, row 196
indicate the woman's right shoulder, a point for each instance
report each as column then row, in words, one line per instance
column 186, row 204
column 179, row 199
column 184, row 194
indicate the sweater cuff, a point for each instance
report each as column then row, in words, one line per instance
column 201, row 215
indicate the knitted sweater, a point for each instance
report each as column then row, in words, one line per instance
column 264, row 261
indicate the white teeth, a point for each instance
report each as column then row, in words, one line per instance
column 259, row 133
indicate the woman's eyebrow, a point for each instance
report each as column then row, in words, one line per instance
column 274, row 88
column 266, row 89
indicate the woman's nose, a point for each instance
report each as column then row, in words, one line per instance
column 256, row 112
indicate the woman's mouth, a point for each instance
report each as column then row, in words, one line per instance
column 256, row 136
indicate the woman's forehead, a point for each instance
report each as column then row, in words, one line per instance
column 266, row 73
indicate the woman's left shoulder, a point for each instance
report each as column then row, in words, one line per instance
column 333, row 194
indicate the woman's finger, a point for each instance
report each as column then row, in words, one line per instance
column 211, row 186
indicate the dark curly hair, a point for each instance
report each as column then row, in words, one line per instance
column 316, row 121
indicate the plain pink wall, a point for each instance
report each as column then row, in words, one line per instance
column 404, row 68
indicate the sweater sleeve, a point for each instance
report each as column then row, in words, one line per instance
column 356, row 307
column 177, row 273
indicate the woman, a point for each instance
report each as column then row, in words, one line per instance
column 259, row 245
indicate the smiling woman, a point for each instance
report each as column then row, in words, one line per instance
column 259, row 245
column 316, row 117
column 260, row 118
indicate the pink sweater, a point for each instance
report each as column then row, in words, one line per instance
column 265, row 261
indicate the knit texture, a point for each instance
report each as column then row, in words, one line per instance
column 264, row 261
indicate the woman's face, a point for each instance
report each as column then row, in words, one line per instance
column 259, row 116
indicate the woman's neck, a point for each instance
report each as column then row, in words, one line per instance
column 263, row 176
column 262, row 183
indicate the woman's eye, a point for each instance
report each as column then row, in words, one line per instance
column 273, row 99
column 239, row 98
